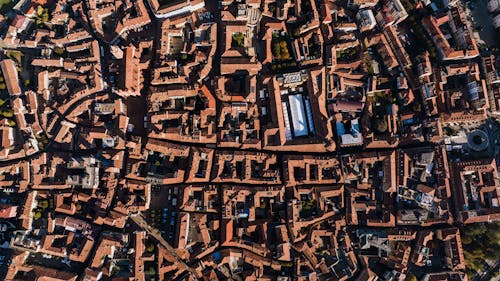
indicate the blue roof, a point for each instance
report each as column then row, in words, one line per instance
column 340, row 128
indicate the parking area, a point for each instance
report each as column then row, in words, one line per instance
column 163, row 211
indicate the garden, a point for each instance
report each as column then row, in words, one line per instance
column 282, row 57
column 347, row 54
column 280, row 50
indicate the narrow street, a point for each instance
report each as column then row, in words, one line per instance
column 139, row 220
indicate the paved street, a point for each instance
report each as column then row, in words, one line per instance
column 139, row 220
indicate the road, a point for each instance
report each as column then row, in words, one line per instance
column 139, row 220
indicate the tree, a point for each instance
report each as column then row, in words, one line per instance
column 466, row 240
column 280, row 50
column 150, row 248
column 277, row 50
column 8, row 113
column 151, row 271
column 411, row 277
column 381, row 125
column 38, row 215
column 284, row 54
column 42, row 15
column 238, row 40
column 39, row 10
column 59, row 50
column 44, row 204
column 480, row 243
column 271, row 7
column 416, row 107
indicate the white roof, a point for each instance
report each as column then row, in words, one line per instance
column 298, row 115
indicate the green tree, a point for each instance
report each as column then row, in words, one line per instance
column 151, row 271
column 416, row 107
column 238, row 40
column 277, row 50
column 44, row 204
column 381, row 125
column 150, row 248
column 42, row 15
column 59, row 50
column 411, row 277
column 38, row 215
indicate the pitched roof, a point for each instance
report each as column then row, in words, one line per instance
column 11, row 76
